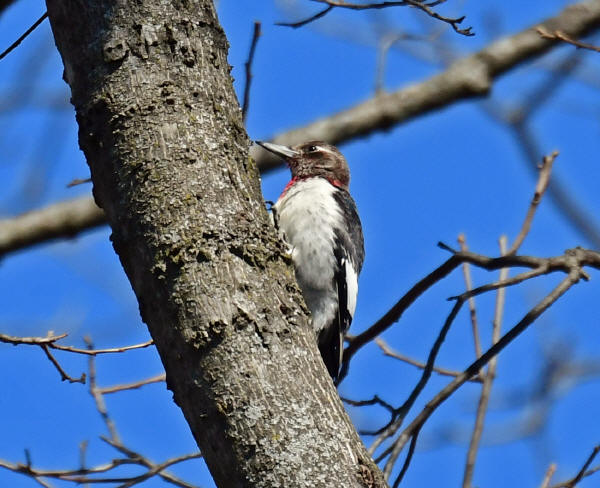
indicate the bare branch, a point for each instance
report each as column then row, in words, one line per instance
column 308, row 20
column 518, row 121
column 419, row 4
column 95, row 352
column 572, row 258
column 45, row 343
column 5, row 4
column 139, row 459
column 388, row 351
column 540, row 188
column 471, row 300
column 373, row 401
column 15, row 44
column 63, row 375
column 50, row 342
column 409, row 455
column 407, row 405
column 394, row 450
column 34, row 341
column 548, row 476
column 520, row 278
column 486, row 390
column 83, row 476
column 60, row 220
column 51, row 339
column 469, row 77
column 583, row 472
column 397, row 310
column 541, row 266
column 98, row 398
column 255, row 35
column 132, row 386
column 78, row 181
column 558, row 35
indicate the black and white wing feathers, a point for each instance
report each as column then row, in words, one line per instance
column 349, row 253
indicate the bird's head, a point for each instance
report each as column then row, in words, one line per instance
column 313, row 158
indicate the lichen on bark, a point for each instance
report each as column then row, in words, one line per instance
column 162, row 132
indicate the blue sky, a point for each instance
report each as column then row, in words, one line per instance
column 453, row 171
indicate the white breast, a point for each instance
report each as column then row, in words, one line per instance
column 307, row 214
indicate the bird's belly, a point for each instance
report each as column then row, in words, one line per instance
column 306, row 225
column 312, row 254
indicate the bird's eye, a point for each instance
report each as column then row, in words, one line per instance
column 312, row 149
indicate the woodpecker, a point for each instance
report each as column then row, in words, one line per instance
column 316, row 216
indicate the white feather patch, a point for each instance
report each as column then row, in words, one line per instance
column 307, row 214
column 352, row 286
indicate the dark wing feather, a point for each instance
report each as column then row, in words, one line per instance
column 352, row 234
column 349, row 246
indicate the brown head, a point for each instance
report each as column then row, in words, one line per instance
column 313, row 158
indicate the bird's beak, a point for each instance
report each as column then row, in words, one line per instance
column 281, row 151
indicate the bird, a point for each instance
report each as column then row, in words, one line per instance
column 318, row 219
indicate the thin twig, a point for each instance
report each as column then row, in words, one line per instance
column 540, row 266
column 373, row 401
column 255, row 35
column 51, row 339
column 15, row 44
column 589, row 472
column 63, row 375
column 156, row 469
column 548, row 476
column 518, row 121
column 583, row 472
column 83, row 445
column 394, row 450
column 388, row 351
column 295, row 25
column 558, row 35
column 139, row 459
column 84, row 475
column 49, row 342
column 462, row 241
column 383, row 47
column 42, row 482
column 540, row 188
column 400, row 413
column 78, row 181
column 97, row 395
column 515, row 280
column 132, row 386
column 95, row 352
column 35, row 341
column 409, row 455
column 419, row 4
column 80, row 476
column 407, row 405
column 394, row 313
column 484, row 397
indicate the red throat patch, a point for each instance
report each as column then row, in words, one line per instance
column 289, row 185
column 296, row 179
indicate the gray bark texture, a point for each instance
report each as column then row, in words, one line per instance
column 162, row 132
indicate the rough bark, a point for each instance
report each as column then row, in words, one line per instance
column 162, row 132
column 469, row 77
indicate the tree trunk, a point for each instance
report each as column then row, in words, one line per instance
column 162, row 132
